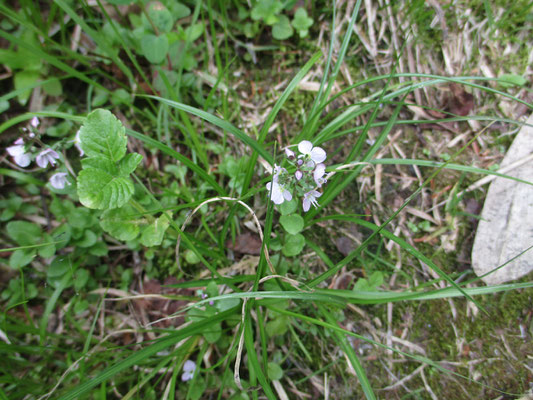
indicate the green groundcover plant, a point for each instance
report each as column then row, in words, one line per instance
column 102, row 197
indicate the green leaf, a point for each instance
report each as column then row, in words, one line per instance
column 100, row 163
column 294, row 245
column 59, row 267
column 53, row 87
column 89, row 239
column 191, row 257
column 160, row 17
column 101, row 190
column 23, row 233
column 288, row 207
column 193, row 32
column 119, row 224
column 24, row 79
column 81, row 277
column 277, row 326
column 179, row 10
column 267, row 10
column 103, row 135
column 153, row 234
column 60, row 129
column 293, row 223
column 49, row 250
column 282, row 29
column 302, row 22
column 20, row 258
column 128, row 164
column 274, row 371
column 154, row 48
column 510, row 80
column 212, row 289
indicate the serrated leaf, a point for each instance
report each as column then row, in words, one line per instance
column 128, row 164
column 23, row 233
column 293, row 223
column 154, row 48
column 101, row 190
column 103, row 135
column 294, row 245
column 101, row 163
column 282, row 29
column 153, row 234
column 119, row 225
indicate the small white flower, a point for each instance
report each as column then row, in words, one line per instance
column 34, row 122
column 319, row 172
column 59, row 180
column 278, row 194
column 47, row 156
column 21, row 158
column 317, row 154
column 310, row 198
column 188, row 370
column 77, row 143
column 289, row 153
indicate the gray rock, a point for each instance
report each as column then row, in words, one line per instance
column 506, row 228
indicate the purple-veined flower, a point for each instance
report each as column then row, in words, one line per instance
column 21, row 158
column 278, row 193
column 77, row 143
column 318, row 173
column 188, row 370
column 310, row 198
column 317, row 154
column 47, row 156
column 59, row 180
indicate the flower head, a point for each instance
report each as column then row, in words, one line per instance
column 47, row 156
column 188, row 370
column 59, row 180
column 18, row 152
column 289, row 153
column 317, row 154
column 278, row 193
column 310, row 198
column 34, row 122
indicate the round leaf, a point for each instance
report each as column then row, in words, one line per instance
column 282, row 29
column 288, row 207
column 274, row 371
column 160, row 17
column 154, row 48
column 100, row 190
column 293, row 223
column 294, row 245
column 23, row 233
column 118, row 224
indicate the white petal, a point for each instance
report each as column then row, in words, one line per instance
column 289, row 153
column 298, row 175
column 320, row 170
column 318, row 154
column 15, row 150
column 306, row 204
column 287, row 195
column 22, row 160
column 42, row 161
column 189, row 366
column 305, row 147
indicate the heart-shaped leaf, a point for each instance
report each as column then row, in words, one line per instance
column 154, row 48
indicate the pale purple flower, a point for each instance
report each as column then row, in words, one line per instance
column 318, row 173
column 21, row 158
column 59, row 180
column 310, row 198
column 317, row 154
column 278, row 193
column 77, row 143
column 47, row 156
column 289, row 153
column 188, row 370
column 298, row 174
column 34, row 122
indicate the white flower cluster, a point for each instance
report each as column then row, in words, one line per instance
column 309, row 176
column 22, row 156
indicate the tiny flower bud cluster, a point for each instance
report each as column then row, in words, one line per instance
column 309, row 176
column 22, row 155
